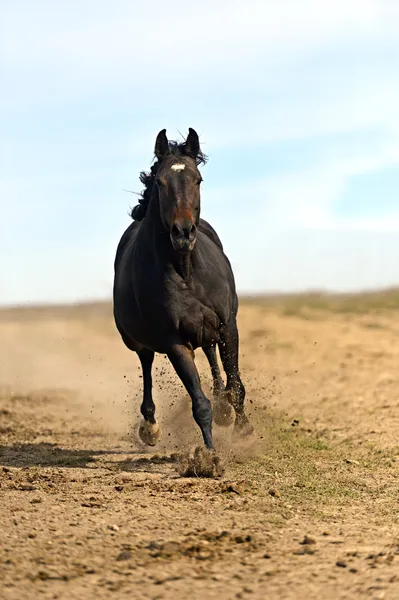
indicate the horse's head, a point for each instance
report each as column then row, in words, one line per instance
column 178, row 181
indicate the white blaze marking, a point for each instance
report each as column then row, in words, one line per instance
column 178, row 167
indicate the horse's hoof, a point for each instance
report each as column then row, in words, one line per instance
column 243, row 428
column 204, row 463
column 222, row 411
column 150, row 433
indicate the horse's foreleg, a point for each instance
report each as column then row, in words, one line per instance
column 235, row 389
column 183, row 362
column 149, row 431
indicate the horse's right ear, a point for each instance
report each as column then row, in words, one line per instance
column 161, row 145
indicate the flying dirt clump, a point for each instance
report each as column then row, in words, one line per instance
column 203, row 463
column 223, row 413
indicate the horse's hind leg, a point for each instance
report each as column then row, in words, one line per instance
column 218, row 384
column 222, row 411
column 234, row 388
column 149, row 430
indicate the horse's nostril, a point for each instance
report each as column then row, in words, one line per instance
column 175, row 230
column 189, row 231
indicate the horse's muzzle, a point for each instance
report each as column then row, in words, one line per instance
column 183, row 237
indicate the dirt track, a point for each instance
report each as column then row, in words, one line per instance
column 87, row 512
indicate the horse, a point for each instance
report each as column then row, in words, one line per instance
column 174, row 291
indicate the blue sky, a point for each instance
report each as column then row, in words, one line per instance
column 296, row 106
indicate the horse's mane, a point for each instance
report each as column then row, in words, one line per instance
column 147, row 178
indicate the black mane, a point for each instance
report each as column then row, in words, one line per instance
column 147, row 178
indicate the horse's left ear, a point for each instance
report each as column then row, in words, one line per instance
column 192, row 146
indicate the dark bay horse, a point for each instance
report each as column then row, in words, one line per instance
column 174, row 289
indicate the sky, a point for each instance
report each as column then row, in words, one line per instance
column 296, row 103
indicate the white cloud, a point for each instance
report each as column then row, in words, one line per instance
column 67, row 29
column 304, row 198
column 88, row 43
column 170, row 56
column 243, row 74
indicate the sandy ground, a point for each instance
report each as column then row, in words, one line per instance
column 309, row 510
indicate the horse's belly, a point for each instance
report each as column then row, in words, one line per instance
column 145, row 332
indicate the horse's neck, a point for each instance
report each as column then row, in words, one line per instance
column 153, row 217
column 183, row 266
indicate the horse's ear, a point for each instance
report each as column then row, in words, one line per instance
column 161, row 145
column 192, row 146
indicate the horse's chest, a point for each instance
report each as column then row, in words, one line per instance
column 175, row 310
column 198, row 324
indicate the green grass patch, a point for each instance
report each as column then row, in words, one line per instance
column 316, row 473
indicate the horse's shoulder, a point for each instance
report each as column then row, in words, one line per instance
column 210, row 232
column 127, row 236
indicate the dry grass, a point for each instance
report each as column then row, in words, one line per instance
column 378, row 302
column 359, row 303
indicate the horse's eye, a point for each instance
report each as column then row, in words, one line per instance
column 199, row 181
column 159, row 183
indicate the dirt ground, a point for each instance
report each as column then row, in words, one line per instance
column 308, row 510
